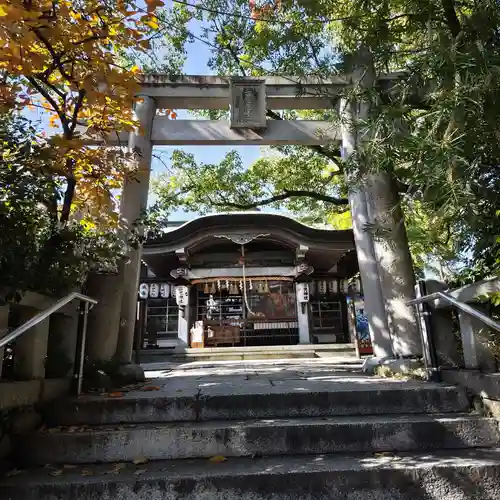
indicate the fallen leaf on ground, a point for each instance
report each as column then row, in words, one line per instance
column 119, row 466
column 52, row 430
column 86, row 472
column 112, row 472
column 151, row 388
column 141, row 459
column 138, row 472
column 179, row 390
column 116, row 394
column 218, row 459
column 73, row 428
column 56, row 472
column 14, row 472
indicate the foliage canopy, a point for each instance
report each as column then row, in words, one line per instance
column 436, row 131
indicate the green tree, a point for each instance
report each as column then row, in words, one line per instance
column 436, row 131
column 37, row 253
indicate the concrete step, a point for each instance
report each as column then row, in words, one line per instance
column 339, row 348
column 249, row 438
column 263, row 352
column 456, row 475
column 222, row 399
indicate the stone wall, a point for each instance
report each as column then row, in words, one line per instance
column 37, row 367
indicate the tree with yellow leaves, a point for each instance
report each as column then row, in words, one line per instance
column 67, row 57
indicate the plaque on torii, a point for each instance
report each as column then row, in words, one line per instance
column 248, row 103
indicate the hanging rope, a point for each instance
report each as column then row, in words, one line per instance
column 245, row 282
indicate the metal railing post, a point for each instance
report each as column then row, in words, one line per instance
column 80, row 346
column 427, row 334
column 465, row 314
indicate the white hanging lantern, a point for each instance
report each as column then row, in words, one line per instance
column 312, row 288
column 333, row 286
column 322, row 287
column 164, row 290
column 344, row 286
column 154, row 290
column 143, row 291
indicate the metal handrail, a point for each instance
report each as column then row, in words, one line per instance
column 38, row 318
column 85, row 305
column 466, row 308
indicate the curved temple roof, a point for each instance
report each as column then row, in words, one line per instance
column 273, row 226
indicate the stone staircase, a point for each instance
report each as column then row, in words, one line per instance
column 294, row 429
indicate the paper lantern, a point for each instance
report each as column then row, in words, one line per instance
column 164, row 290
column 154, row 290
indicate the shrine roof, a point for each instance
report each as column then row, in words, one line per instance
column 275, row 226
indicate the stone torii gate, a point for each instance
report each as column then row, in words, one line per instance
column 386, row 270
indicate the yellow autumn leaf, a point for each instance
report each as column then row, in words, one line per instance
column 218, row 459
column 152, row 24
column 141, row 459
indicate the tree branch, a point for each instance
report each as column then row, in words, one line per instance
column 285, row 196
column 56, row 57
column 451, row 17
column 78, row 105
column 333, row 156
column 70, row 191
column 52, row 102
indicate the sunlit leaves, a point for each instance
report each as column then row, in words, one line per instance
column 439, row 132
column 66, row 58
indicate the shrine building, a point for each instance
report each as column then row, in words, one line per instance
column 246, row 279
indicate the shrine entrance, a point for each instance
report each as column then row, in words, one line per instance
column 247, row 280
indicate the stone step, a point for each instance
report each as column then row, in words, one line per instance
column 338, row 348
column 264, row 352
column 228, row 399
column 455, row 475
column 347, row 349
column 249, row 438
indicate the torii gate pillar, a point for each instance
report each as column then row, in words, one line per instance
column 132, row 206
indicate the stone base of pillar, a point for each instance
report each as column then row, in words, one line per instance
column 131, row 272
column 104, row 318
column 61, row 347
column 30, row 348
